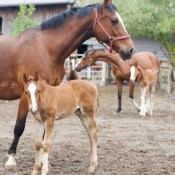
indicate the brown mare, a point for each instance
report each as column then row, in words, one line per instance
column 44, row 48
column 147, row 79
column 76, row 96
column 121, row 69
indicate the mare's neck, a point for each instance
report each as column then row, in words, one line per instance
column 67, row 37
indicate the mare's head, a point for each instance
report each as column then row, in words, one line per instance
column 32, row 91
column 86, row 60
column 109, row 28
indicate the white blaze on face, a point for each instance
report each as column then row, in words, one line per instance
column 77, row 63
column 32, row 89
column 120, row 19
column 132, row 70
column 73, row 64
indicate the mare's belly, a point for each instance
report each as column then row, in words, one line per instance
column 9, row 90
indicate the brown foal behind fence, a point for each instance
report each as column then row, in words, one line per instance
column 76, row 96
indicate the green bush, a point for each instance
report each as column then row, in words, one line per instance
column 23, row 19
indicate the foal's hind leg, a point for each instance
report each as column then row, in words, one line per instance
column 89, row 123
column 18, row 130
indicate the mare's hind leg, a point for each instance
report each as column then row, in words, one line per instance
column 38, row 146
column 89, row 123
column 18, row 130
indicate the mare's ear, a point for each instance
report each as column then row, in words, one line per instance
column 106, row 2
column 36, row 76
column 24, row 77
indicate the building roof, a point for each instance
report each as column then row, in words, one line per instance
column 11, row 3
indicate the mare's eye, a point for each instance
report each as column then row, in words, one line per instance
column 25, row 92
column 115, row 21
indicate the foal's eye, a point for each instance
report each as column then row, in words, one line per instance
column 25, row 92
column 115, row 21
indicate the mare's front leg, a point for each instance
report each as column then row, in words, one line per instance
column 120, row 88
column 88, row 121
column 18, row 130
column 38, row 146
column 49, row 124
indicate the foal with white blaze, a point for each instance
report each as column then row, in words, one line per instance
column 147, row 79
column 76, row 96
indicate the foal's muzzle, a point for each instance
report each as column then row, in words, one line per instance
column 34, row 110
column 78, row 69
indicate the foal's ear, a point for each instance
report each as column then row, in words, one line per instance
column 106, row 2
column 24, row 78
column 36, row 76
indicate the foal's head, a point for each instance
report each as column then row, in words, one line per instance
column 32, row 91
column 88, row 59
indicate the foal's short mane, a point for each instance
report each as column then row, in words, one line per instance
column 67, row 14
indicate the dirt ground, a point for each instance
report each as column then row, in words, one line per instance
column 128, row 144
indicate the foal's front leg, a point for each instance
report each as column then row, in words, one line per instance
column 38, row 145
column 143, row 109
column 49, row 123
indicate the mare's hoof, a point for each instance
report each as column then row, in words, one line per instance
column 119, row 110
column 11, row 163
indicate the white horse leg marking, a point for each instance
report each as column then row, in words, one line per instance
column 38, row 143
column 49, row 124
column 11, row 161
column 135, row 104
column 143, row 105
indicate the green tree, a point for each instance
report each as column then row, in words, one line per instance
column 148, row 18
column 23, row 19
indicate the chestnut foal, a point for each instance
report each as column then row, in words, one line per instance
column 76, row 96
column 147, row 79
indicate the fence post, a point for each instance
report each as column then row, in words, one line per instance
column 170, row 85
column 88, row 72
column 103, row 74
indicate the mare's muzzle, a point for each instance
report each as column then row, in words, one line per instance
column 126, row 54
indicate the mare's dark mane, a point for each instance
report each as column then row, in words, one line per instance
column 67, row 14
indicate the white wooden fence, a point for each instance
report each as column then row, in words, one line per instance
column 101, row 74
